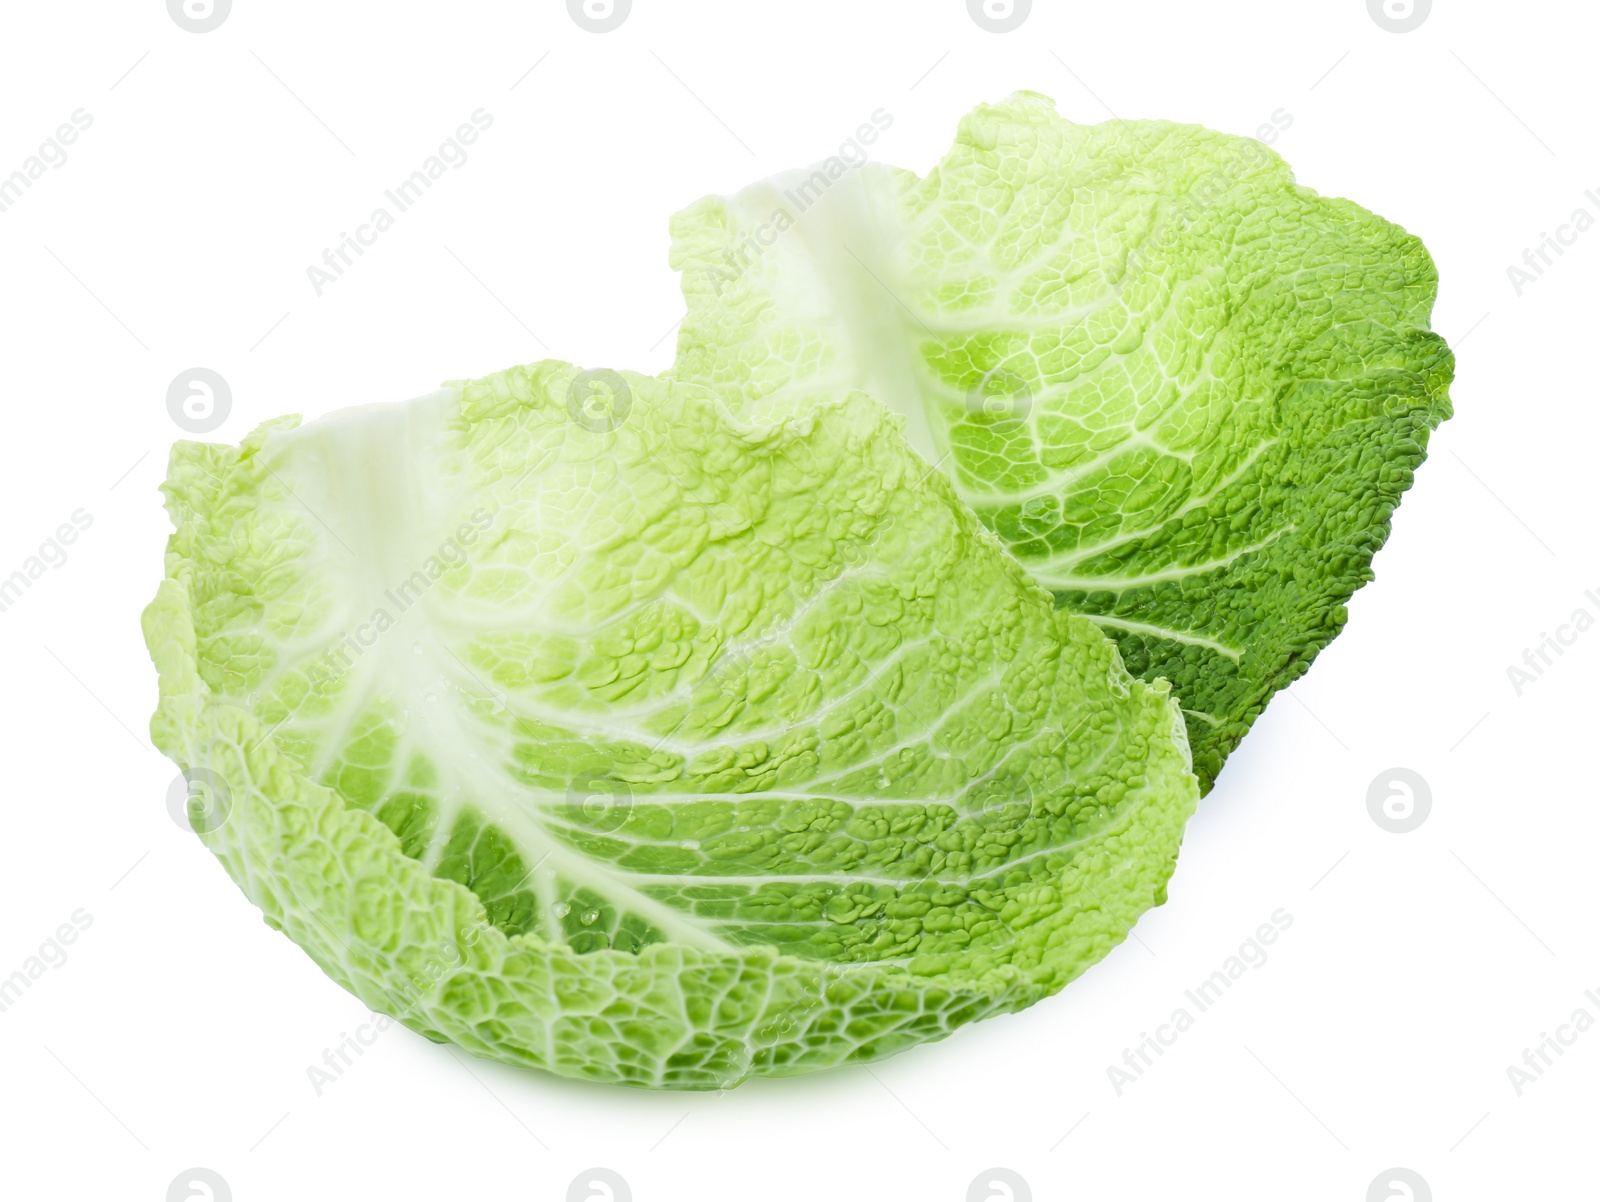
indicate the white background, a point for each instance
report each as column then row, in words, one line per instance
column 178, row 233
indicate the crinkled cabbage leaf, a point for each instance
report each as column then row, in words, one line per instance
column 570, row 718
column 1184, row 391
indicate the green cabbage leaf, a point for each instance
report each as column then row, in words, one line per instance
column 1186, row 392
column 578, row 720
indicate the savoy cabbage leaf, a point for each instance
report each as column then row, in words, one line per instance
column 1184, row 391
column 573, row 719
